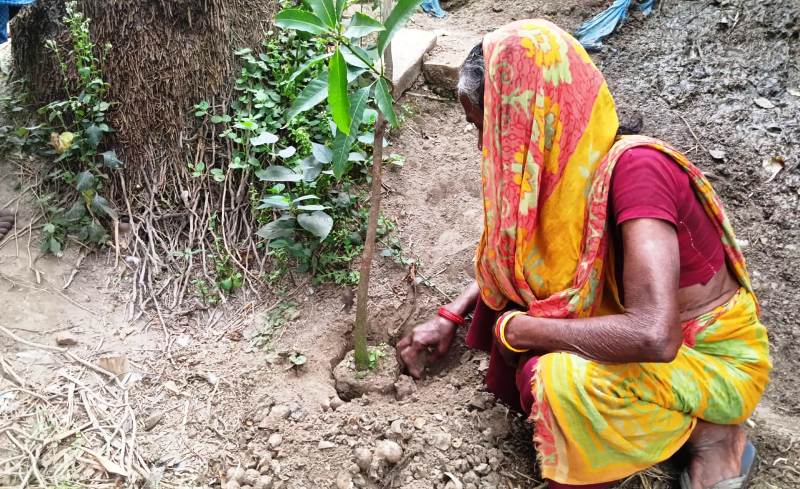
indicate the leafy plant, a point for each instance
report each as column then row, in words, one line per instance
column 78, row 126
column 354, row 80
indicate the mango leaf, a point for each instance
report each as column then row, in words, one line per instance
column 362, row 25
column 315, row 92
column 308, row 64
column 274, row 202
column 312, row 207
column 278, row 174
column 344, row 141
column 317, row 223
column 355, row 56
column 100, row 204
column 383, row 97
column 110, row 160
column 337, row 92
column 300, row 20
column 304, row 198
column 322, row 153
column 325, row 10
column 264, row 138
column 279, row 228
column 340, row 4
column 396, row 20
column 84, row 181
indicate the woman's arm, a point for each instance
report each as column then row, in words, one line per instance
column 430, row 340
column 649, row 329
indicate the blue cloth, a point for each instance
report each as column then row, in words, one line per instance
column 432, row 7
column 593, row 31
column 5, row 15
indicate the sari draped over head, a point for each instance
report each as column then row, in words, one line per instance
column 549, row 148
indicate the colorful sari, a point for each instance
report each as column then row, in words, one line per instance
column 550, row 147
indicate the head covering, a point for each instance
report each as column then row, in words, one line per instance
column 549, row 121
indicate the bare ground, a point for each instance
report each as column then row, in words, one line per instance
column 211, row 396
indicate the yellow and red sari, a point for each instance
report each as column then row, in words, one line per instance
column 549, row 148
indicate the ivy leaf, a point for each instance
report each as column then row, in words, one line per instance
column 287, row 152
column 344, row 141
column 264, row 138
column 84, row 181
column 317, row 223
column 311, row 169
column 362, row 25
column 300, row 20
column 279, row 228
column 278, row 174
column 101, row 205
column 274, row 202
column 325, row 11
column 94, row 133
column 110, row 160
column 322, row 153
column 383, row 97
column 337, row 92
column 396, row 20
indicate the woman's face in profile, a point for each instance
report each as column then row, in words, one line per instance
column 474, row 116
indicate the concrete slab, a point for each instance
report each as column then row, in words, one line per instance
column 409, row 46
column 442, row 65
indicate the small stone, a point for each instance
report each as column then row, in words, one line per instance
column 482, row 469
column 419, row 423
column 263, row 482
column 235, row 474
column 298, row 414
column 442, row 441
column 275, row 440
column 404, row 387
column 478, row 402
column 336, row 403
column 65, row 338
column 438, row 417
column 231, row 484
column 496, row 7
column 363, row 458
column 389, row 451
column 344, row 480
column 325, row 445
column 396, row 429
column 325, row 405
column 250, row 477
column 280, row 411
column 151, row 421
column 471, row 477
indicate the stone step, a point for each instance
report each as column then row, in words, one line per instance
column 442, row 65
column 409, row 47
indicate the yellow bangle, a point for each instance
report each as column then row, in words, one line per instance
column 504, row 322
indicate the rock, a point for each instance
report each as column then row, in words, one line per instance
column 298, row 414
column 482, row 469
column 336, row 403
column 325, row 405
column 235, row 474
column 352, row 384
column 470, row 477
column 419, row 423
column 231, row 484
column 404, row 387
column 363, row 458
column 250, row 477
column 396, row 430
column 277, row 414
column 389, row 451
column 325, row 445
column 151, row 421
column 65, row 338
column 344, row 480
column 263, row 482
column 478, row 402
column 442, row 441
column 409, row 46
column 275, row 440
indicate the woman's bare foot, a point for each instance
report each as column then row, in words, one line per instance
column 6, row 223
column 716, row 452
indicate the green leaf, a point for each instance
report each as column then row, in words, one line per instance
column 362, row 25
column 264, row 138
column 308, row 64
column 287, row 152
column 278, row 174
column 337, row 92
column 322, row 153
column 354, row 55
column 100, row 204
column 325, row 10
column 110, row 160
column 300, row 20
column 279, row 228
column 315, row 92
column 396, row 20
column 49, row 228
column 344, row 141
column 312, row 207
column 84, row 181
column 317, row 223
column 274, row 202
column 55, row 247
column 311, row 169
column 304, row 198
column 94, row 133
column 383, row 97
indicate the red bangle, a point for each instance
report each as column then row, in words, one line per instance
column 451, row 316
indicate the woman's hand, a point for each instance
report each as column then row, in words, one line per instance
column 426, row 343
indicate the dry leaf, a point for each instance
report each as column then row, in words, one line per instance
column 764, row 103
column 773, row 166
column 172, row 387
column 110, row 466
column 116, row 364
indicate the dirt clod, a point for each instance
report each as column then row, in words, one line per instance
column 351, row 383
column 65, row 338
